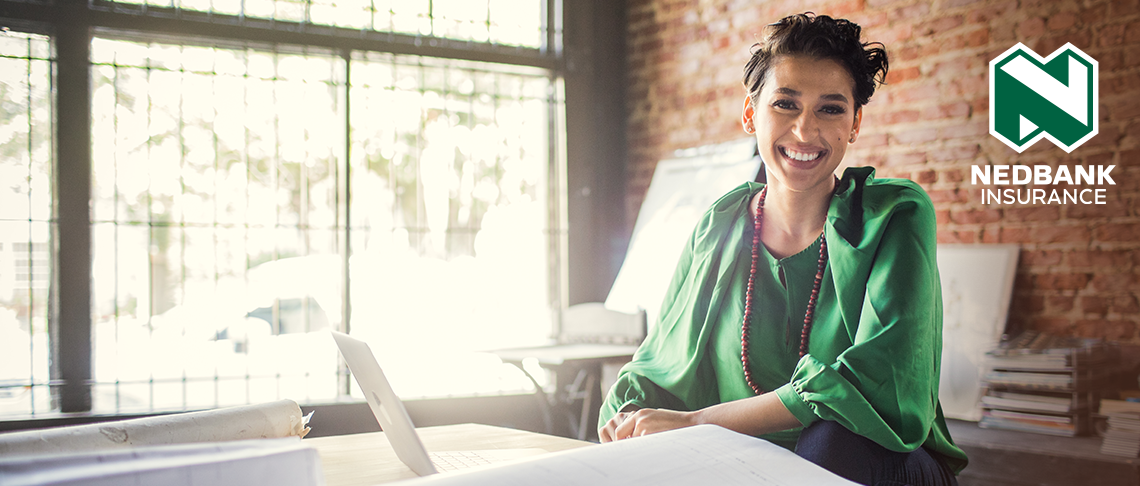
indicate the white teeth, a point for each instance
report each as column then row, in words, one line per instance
column 801, row 156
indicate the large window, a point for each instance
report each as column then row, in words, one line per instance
column 247, row 196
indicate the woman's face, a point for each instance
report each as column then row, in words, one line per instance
column 804, row 117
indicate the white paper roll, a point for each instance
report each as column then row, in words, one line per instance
column 267, row 420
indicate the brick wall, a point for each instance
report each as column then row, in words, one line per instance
column 1079, row 270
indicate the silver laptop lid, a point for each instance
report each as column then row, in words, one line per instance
column 386, row 406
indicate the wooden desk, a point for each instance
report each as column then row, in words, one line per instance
column 367, row 459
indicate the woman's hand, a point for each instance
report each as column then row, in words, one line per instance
column 645, row 421
column 606, row 433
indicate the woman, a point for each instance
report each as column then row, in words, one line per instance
column 823, row 291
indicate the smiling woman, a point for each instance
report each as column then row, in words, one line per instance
column 806, row 310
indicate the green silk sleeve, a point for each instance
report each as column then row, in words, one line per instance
column 672, row 368
column 885, row 386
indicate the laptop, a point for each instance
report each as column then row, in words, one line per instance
column 396, row 423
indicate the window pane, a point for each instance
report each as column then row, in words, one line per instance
column 505, row 22
column 216, row 224
column 450, row 230
column 25, row 222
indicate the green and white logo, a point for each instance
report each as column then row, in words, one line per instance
column 1056, row 97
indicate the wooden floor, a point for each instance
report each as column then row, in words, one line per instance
column 1009, row 458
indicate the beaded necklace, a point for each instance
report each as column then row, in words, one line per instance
column 804, row 335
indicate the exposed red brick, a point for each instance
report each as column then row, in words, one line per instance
column 1061, row 21
column 1129, row 232
column 903, row 116
column 990, row 12
column 895, row 34
column 1106, row 329
column 1031, row 27
column 1130, row 157
column 953, row 175
column 1125, row 304
column 966, row 130
column 1060, row 303
column 947, row 195
column 1106, row 282
column 896, row 76
column 1111, row 35
column 909, row 12
column 956, row 152
column 1112, row 208
column 976, row 216
column 1060, row 326
column 1061, row 281
column 1094, row 14
column 907, row 54
column 1132, row 33
column 916, row 136
column 991, row 235
column 938, row 25
column 1059, row 234
column 1028, row 303
column 917, row 92
column 1094, row 305
column 1014, row 235
column 1041, row 257
column 951, row 236
column 1033, row 213
column 959, row 3
column 1125, row 109
column 928, row 176
column 872, row 140
column 977, row 38
column 1122, row 8
column 980, row 106
column 1119, row 85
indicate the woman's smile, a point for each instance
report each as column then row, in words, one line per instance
column 802, row 158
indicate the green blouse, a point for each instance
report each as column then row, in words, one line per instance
column 876, row 340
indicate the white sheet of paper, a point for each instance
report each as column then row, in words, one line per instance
column 702, row 454
column 280, row 462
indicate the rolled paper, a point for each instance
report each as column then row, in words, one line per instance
column 267, row 420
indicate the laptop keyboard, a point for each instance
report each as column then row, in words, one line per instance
column 451, row 461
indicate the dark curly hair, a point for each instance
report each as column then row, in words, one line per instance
column 821, row 37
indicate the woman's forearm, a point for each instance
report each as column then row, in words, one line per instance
column 753, row 416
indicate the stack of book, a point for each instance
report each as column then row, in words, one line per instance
column 1043, row 384
column 1042, row 413
column 1122, row 438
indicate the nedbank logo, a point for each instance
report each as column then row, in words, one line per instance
column 1056, row 97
